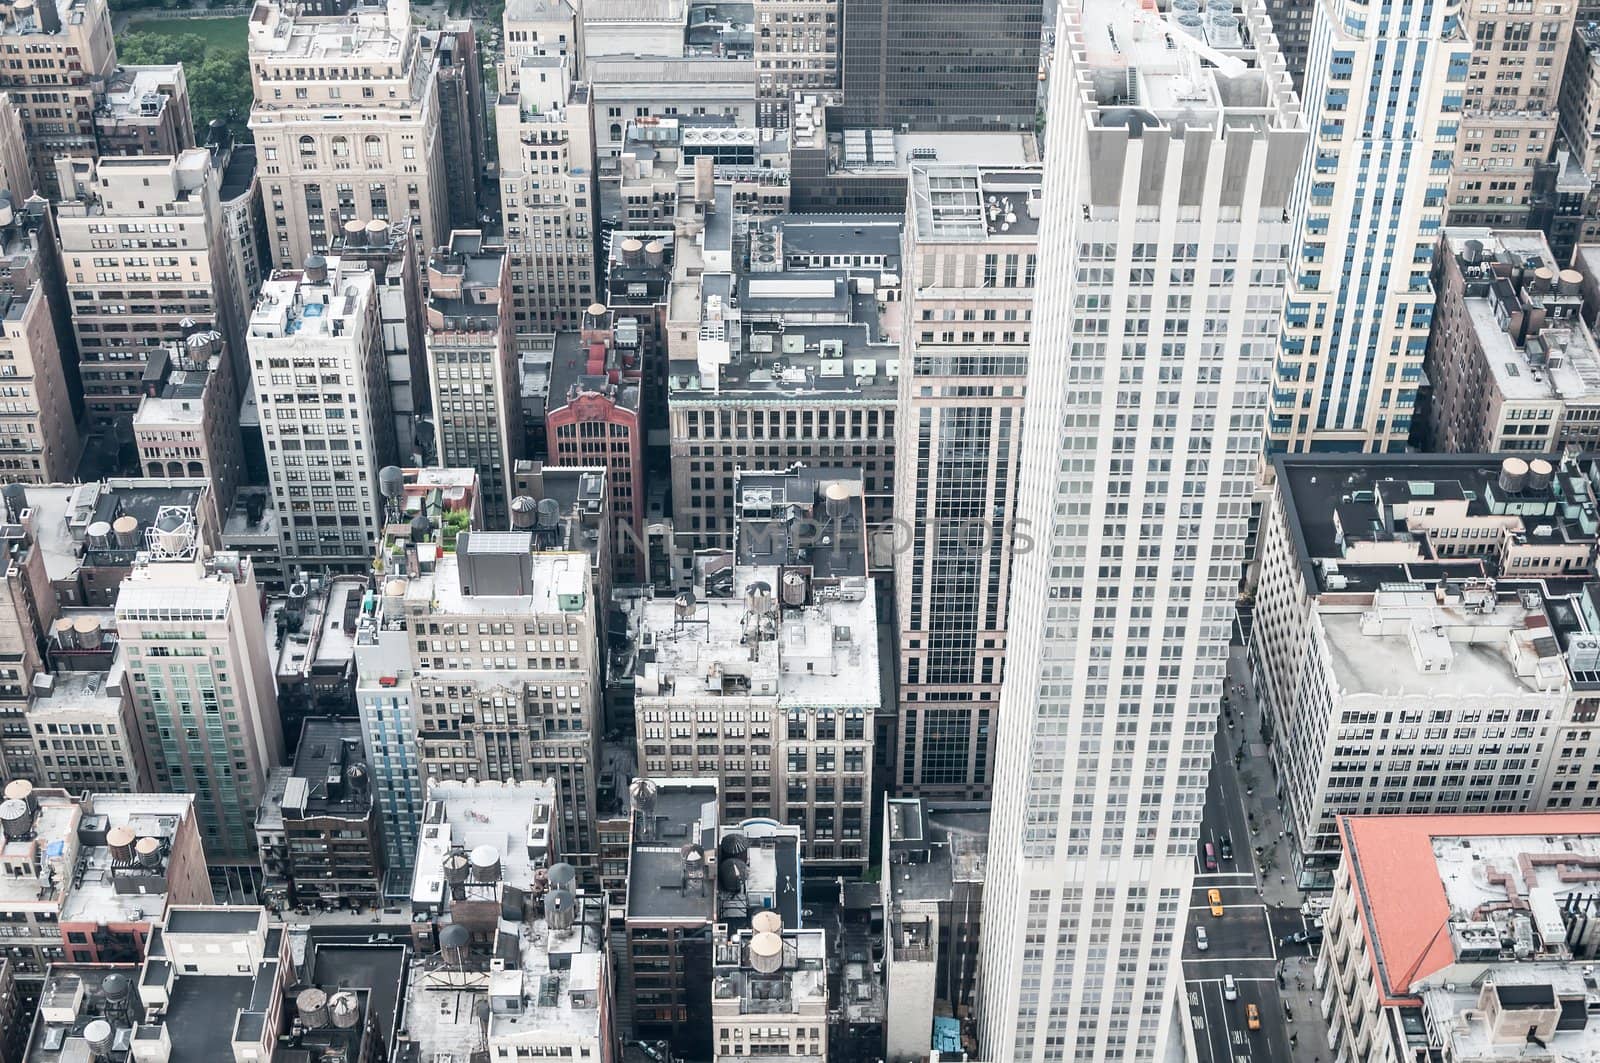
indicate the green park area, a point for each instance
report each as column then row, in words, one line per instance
column 215, row 64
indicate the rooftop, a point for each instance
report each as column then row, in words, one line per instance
column 1147, row 67
column 661, row 888
column 820, row 237
column 107, row 884
column 278, row 32
column 799, row 986
column 812, row 518
column 330, row 775
column 1410, row 642
column 877, row 152
column 67, row 520
column 976, row 204
column 1359, row 521
column 327, row 299
column 1419, row 875
column 139, row 91
column 175, row 382
column 1525, row 312
column 549, row 582
column 768, row 878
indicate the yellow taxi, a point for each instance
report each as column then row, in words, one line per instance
column 1252, row 1016
column 1215, row 897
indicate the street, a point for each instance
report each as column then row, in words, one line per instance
column 1260, row 910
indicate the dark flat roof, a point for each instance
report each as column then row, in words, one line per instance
column 200, row 1016
column 212, row 920
column 655, row 867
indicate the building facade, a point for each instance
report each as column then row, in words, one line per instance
column 1355, row 324
column 120, row 304
column 209, row 717
column 473, row 366
column 352, row 132
column 317, row 359
column 545, row 126
column 1139, row 458
column 912, row 64
column 39, row 439
column 971, row 239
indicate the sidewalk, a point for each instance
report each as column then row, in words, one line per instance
column 1311, row 1033
column 1258, row 788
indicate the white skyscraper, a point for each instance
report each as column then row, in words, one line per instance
column 1174, row 143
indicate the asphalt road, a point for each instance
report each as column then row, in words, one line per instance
column 1242, row 942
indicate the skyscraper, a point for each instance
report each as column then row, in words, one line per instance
column 1163, row 234
column 971, row 243
column 1384, row 99
column 941, row 64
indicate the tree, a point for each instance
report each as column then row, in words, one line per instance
column 218, row 77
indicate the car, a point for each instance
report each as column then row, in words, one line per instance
column 1302, row 937
column 1230, row 988
column 1225, row 844
column 1252, row 1016
column 1200, row 941
column 1211, row 857
column 1214, row 896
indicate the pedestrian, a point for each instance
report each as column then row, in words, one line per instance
column 1282, row 880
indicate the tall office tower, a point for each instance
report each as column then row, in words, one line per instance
column 519, row 699
column 941, row 64
column 476, row 387
column 1163, row 233
column 317, row 360
column 797, row 50
column 386, row 248
column 70, row 56
column 1291, row 24
column 39, row 441
column 1505, row 158
column 545, row 126
column 1368, row 206
column 971, row 246
column 462, row 121
column 346, row 121
column 170, row 263
column 209, row 715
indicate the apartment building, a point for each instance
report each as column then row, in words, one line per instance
column 39, row 440
column 1359, row 299
column 473, row 366
column 545, row 127
column 1148, row 605
column 520, row 698
column 1423, row 640
column 1514, row 366
column 86, row 736
column 971, row 238
column 72, row 55
column 804, row 361
column 387, row 248
column 1462, row 937
column 188, row 422
column 122, row 308
column 1505, row 152
column 319, row 368
column 144, row 110
column 664, row 968
column 570, row 510
column 542, row 27
column 506, row 924
column 769, row 991
column 1579, row 110
column 346, row 121
column 16, row 175
column 209, row 717
column 317, row 829
column 90, row 876
column 797, row 51
column 313, row 649
column 771, row 691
